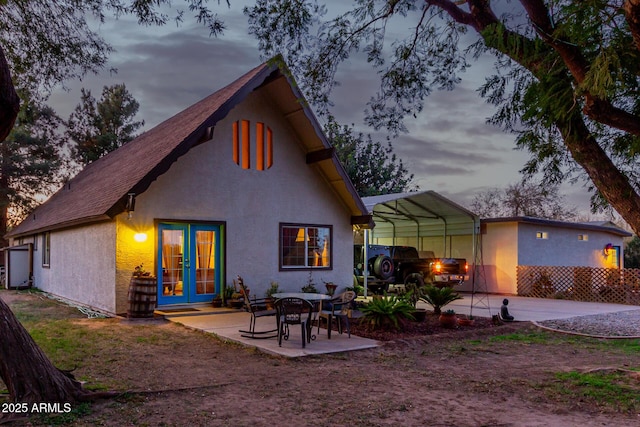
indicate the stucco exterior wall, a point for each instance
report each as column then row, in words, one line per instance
column 82, row 265
column 206, row 185
column 505, row 245
column 562, row 246
column 500, row 256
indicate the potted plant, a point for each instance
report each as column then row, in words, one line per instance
column 331, row 288
column 228, row 294
column 448, row 319
column 274, row 288
column 310, row 287
column 217, row 301
column 142, row 293
column 139, row 271
column 438, row 297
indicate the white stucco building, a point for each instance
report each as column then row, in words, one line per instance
column 242, row 183
column 526, row 241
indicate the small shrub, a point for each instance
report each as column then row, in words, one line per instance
column 274, row 288
column 438, row 297
column 386, row 312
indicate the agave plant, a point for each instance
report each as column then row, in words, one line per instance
column 386, row 311
column 438, row 297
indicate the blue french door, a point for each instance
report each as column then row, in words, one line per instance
column 189, row 262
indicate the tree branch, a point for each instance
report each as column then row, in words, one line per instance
column 632, row 13
column 596, row 108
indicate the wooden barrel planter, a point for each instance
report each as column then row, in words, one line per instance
column 142, row 296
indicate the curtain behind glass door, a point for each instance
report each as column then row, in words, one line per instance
column 172, row 253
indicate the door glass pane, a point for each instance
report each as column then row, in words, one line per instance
column 172, row 250
column 205, row 262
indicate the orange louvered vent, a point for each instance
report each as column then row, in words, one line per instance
column 262, row 145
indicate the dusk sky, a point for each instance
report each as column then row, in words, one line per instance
column 449, row 148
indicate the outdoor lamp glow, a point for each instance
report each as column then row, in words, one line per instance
column 140, row 237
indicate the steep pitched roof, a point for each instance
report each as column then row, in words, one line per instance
column 99, row 192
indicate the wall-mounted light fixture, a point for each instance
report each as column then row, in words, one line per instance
column 140, row 237
column 131, row 204
column 607, row 249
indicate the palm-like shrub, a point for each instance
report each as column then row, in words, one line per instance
column 438, row 297
column 386, row 312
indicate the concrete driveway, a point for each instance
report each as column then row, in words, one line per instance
column 532, row 309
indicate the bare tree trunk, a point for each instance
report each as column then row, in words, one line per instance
column 9, row 101
column 28, row 373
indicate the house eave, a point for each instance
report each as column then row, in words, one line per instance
column 60, row 226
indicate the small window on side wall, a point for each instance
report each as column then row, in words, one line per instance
column 542, row 235
column 583, row 237
column 305, row 246
column 46, row 249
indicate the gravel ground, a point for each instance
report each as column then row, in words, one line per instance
column 622, row 324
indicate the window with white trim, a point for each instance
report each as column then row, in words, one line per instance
column 46, row 249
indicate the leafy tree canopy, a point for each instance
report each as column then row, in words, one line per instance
column 44, row 43
column 632, row 253
column 99, row 127
column 372, row 166
column 31, row 157
column 565, row 80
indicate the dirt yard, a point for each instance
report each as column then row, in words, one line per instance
column 469, row 377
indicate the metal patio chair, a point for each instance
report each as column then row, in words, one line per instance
column 258, row 308
column 294, row 311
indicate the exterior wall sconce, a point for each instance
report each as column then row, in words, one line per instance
column 607, row 249
column 131, row 204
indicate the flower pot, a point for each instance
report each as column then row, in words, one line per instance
column 463, row 321
column 331, row 288
column 236, row 303
column 217, row 303
column 419, row 314
column 448, row 320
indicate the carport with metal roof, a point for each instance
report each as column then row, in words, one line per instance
column 426, row 220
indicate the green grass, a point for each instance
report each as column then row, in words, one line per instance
column 550, row 338
column 615, row 390
column 531, row 337
column 65, row 418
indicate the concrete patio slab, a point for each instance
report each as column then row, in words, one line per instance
column 227, row 325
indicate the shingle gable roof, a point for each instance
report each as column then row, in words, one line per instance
column 100, row 190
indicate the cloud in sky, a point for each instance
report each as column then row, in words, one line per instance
column 449, row 147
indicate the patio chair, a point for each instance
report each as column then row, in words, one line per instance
column 294, row 311
column 258, row 308
column 337, row 309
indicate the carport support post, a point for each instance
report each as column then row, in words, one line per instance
column 366, row 260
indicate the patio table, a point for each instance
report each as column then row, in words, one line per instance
column 312, row 297
column 309, row 296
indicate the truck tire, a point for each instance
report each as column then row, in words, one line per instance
column 383, row 267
